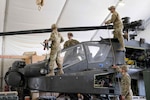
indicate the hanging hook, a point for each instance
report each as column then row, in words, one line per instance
column 39, row 7
column 40, row 3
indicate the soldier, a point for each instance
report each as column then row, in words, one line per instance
column 126, row 91
column 118, row 26
column 56, row 39
column 71, row 41
column 71, row 52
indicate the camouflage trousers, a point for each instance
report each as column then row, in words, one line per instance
column 55, row 57
column 128, row 98
column 118, row 34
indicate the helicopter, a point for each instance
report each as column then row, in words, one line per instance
column 85, row 72
column 87, row 68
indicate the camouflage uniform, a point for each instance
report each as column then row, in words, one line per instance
column 126, row 87
column 125, row 84
column 69, row 53
column 56, row 39
column 71, row 42
column 118, row 26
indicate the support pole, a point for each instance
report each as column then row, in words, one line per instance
column 58, row 20
column 146, row 75
column 3, row 46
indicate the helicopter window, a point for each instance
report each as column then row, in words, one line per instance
column 73, row 55
column 98, row 53
column 93, row 49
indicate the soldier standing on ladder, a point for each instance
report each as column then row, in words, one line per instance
column 126, row 91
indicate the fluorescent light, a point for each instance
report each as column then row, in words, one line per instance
column 121, row 3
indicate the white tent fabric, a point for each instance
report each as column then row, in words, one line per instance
column 145, row 34
column 2, row 13
column 24, row 15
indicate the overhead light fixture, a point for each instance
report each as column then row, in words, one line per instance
column 121, row 3
column 39, row 3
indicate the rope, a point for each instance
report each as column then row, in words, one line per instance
column 112, row 48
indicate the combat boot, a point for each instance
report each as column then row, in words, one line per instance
column 60, row 71
column 51, row 73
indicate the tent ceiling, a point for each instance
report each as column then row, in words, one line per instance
column 2, row 11
column 24, row 15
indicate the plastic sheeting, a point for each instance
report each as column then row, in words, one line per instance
column 17, row 45
column 145, row 34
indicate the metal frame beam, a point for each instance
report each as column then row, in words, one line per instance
column 3, row 47
column 62, row 12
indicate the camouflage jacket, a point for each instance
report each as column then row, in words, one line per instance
column 126, row 85
column 71, row 42
column 56, row 39
column 115, row 19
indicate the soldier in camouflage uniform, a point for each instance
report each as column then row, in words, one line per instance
column 126, row 91
column 71, row 41
column 56, row 39
column 71, row 52
column 118, row 26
